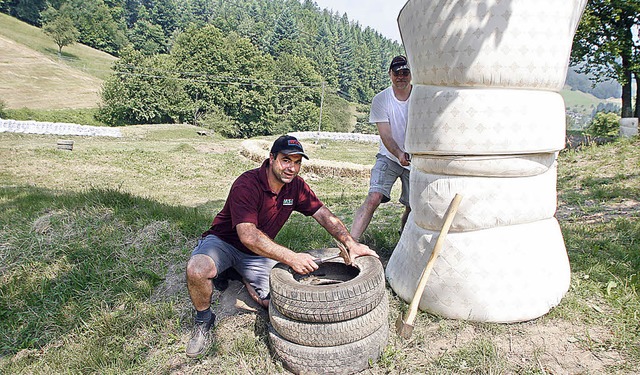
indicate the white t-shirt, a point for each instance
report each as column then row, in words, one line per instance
column 385, row 107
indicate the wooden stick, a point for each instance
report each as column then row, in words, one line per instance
column 405, row 326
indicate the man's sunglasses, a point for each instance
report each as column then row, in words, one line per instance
column 402, row 72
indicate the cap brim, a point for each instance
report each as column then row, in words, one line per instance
column 400, row 67
column 294, row 152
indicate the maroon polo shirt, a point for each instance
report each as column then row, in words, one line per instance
column 251, row 200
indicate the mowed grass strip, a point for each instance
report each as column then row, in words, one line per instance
column 78, row 56
column 35, row 76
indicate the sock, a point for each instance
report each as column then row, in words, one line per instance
column 204, row 316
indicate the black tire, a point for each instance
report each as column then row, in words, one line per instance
column 341, row 359
column 330, row 334
column 341, row 292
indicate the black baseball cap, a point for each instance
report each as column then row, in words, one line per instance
column 288, row 145
column 399, row 63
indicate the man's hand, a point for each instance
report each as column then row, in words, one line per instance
column 404, row 159
column 357, row 249
column 302, row 263
column 261, row 244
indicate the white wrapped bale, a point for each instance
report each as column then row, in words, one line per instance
column 503, row 274
column 490, row 43
column 488, row 201
column 485, row 165
column 628, row 127
column 453, row 121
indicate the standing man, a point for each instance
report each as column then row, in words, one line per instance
column 241, row 236
column 389, row 111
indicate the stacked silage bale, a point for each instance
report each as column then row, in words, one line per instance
column 628, row 127
column 486, row 121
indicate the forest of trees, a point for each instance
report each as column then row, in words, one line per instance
column 601, row 90
column 264, row 66
column 243, row 67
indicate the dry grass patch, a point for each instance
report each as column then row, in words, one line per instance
column 43, row 83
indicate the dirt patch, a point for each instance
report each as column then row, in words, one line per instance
column 604, row 214
column 549, row 347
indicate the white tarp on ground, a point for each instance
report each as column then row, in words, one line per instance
column 354, row 137
column 59, row 128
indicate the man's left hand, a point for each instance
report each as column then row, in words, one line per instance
column 358, row 249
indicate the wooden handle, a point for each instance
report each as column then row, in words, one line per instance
column 451, row 213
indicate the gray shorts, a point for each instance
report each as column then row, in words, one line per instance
column 384, row 174
column 254, row 269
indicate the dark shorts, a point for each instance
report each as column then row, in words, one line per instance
column 384, row 174
column 254, row 269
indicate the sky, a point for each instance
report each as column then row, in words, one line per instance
column 380, row 15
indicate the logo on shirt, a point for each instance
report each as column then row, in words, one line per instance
column 287, row 202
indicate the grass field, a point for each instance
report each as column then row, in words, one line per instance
column 93, row 245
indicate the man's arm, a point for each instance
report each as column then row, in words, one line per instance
column 258, row 242
column 384, row 129
column 337, row 229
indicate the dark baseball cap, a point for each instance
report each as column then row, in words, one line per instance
column 399, row 63
column 288, row 145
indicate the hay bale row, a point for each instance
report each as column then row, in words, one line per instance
column 258, row 150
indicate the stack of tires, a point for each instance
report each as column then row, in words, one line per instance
column 486, row 121
column 333, row 321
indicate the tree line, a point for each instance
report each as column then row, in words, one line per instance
column 601, row 89
column 351, row 60
column 246, row 67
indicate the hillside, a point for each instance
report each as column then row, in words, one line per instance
column 582, row 102
column 32, row 74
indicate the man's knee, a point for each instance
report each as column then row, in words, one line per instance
column 201, row 266
column 374, row 199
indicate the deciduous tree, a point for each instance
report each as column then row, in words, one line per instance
column 607, row 44
column 60, row 28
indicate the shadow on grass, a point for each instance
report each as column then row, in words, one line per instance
column 65, row 56
column 612, row 249
column 70, row 258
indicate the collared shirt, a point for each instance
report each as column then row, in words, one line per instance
column 251, row 200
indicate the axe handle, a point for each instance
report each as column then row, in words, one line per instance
column 319, row 261
column 451, row 213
